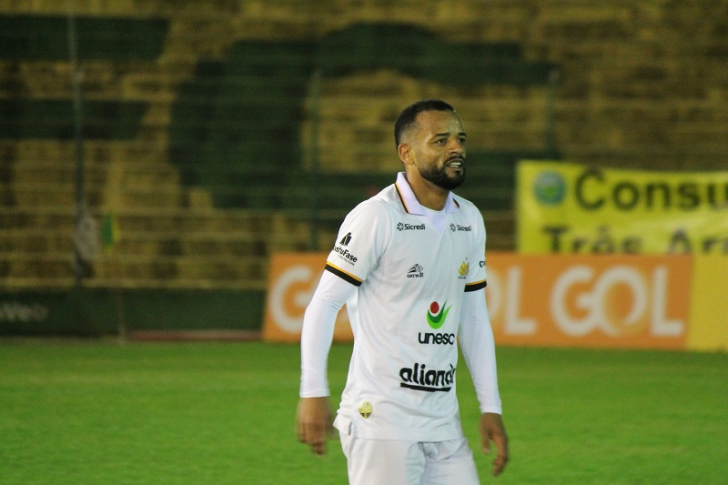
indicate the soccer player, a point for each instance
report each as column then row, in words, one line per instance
column 409, row 263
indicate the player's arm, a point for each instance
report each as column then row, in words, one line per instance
column 364, row 235
column 478, row 346
column 313, row 420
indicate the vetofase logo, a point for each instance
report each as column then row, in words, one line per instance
column 350, row 258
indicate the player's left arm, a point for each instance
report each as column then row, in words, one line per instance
column 478, row 347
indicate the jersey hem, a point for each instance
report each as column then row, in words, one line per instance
column 349, row 426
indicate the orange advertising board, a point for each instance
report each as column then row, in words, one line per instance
column 292, row 280
column 617, row 301
column 589, row 301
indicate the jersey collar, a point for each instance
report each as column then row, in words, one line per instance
column 410, row 202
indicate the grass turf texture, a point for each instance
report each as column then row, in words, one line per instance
column 92, row 412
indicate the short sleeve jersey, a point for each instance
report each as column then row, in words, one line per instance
column 405, row 313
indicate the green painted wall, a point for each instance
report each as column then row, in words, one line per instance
column 94, row 312
column 236, row 125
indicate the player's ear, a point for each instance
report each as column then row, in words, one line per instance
column 404, row 150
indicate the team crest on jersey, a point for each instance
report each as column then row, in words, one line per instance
column 464, row 269
column 416, row 271
column 437, row 315
column 365, row 409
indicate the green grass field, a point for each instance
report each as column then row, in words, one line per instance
column 219, row 413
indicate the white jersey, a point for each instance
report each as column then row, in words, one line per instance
column 411, row 278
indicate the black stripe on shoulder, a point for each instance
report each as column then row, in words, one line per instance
column 478, row 285
column 343, row 275
column 401, row 199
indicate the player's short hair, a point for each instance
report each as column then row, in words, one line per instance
column 406, row 118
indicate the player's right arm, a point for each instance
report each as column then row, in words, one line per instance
column 314, row 419
column 361, row 240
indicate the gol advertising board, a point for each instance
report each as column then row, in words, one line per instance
column 589, row 301
column 292, row 280
column 566, row 208
column 618, row 301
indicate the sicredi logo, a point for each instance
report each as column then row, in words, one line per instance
column 401, row 226
column 458, row 227
column 549, row 188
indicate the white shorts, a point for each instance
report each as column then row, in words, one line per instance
column 395, row 462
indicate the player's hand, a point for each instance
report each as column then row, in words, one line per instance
column 313, row 422
column 492, row 429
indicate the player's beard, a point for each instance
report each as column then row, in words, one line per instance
column 439, row 177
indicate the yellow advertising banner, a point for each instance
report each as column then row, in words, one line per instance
column 709, row 304
column 567, row 208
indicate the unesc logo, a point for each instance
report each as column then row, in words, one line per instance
column 437, row 315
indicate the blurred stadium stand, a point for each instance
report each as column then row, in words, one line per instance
column 220, row 132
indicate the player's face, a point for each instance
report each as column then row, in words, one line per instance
column 437, row 145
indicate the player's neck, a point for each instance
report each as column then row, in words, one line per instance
column 428, row 194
